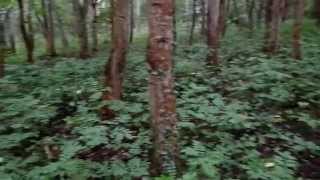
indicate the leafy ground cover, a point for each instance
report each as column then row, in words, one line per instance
column 254, row 117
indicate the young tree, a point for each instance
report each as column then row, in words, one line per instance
column 80, row 8
column 203, row 10
column 174, row 22
column 10, row 31
column 132, row 22
column 285, row 7
column 115, row 66
column 316, row 10
column 193, row 21
column 2, row 45
column 62, row 32
column 273, row 19
column 161, row 86
column 94, row 24
column 48, row 26
column 26, row 27
column 298, row 22
column 250, row 5
column 213, row 31
column 222, row 17
column 260, row 11
column 51, row 32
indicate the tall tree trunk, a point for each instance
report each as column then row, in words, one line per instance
column 63, row 36
column 298, row 16
column 213, row 31
column 132, row 23
column 260, row 12
column 316, row 11
column 222, row 18
column 285, row 10
column 193, row 21
column 115, row 67
column 273, row 19
column 2, row 47
column 174, row 22
column 94, row 30
column 51, row 35
column 203, row 17
column 81, row 11
column 161, row 87
column 26, row 28
column 250, row 9
column 48, row 26
column 10, row 31
column 236, row 14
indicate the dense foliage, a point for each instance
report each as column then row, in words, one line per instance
column 253, row 117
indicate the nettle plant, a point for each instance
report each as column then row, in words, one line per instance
column 51, row 127
column 254, row 117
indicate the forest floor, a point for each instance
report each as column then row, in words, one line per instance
column 252, row 117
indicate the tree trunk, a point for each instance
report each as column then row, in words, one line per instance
column 174, row 22
column 81, row 11
column 298, row 22
column 2, row 47
column 10, row 32
column 64, row 39
column 26, row 29
column 273, row 19
column 317, row 11
column 193, row 21
column 51, row 35
column 222, row 18
column 132, row 23
column 161, row 88
column 260, row 12
column 115, row 67
column 285, row 10
column 203, row 17
column 94, row 25
column 213, row 31
column 236, row 15
column 250, row 9
column 47, row 26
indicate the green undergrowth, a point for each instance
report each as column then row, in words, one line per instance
column 253, row 118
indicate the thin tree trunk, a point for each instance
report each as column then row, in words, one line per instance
column 115, row 66
column 273, row 19
column 213, row 31
column 94, row 25
column 193, row 21
column 296, row 43
column 27, row 34
column 316, row 11
column 44, row 23
column 285, row 10
column 2, row 48
column 64, row 39
column 81, row 11
column 250, row 10
column 174, row 22
column 10, row 32
column 260, row 12
column 161, row 87
column 236, row 14
column 203, row 17
column 47, row 26
column 132, row 23
column 222, row 18
column 51, row 33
